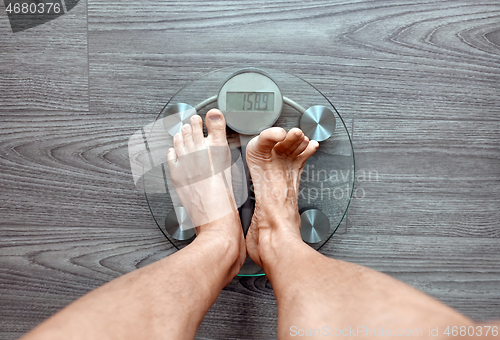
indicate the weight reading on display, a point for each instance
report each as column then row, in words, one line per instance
column 250, row 101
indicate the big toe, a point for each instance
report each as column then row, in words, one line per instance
column 263, row 144
column 216, row 127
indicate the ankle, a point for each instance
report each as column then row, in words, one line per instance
column 226, row 227
column 224, row 234
column 291, row 259
column 278, row 245
column 226, row 251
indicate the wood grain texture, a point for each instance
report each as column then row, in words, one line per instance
column 395, row 47
column 419, row 80
column 427, row 177
column 45, row 67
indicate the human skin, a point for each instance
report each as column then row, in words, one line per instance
column 169, row 299
column 313, row 291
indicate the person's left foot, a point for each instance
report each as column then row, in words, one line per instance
column 200, row 169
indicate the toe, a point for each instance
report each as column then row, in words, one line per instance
column 292, row 140
column 171, row 157
column 197, row 125
column 216, row 127
column 179, row 145
column 310, row 149
column 263, row 144
column 187, row 136
column 299, row 148
column 292, row 150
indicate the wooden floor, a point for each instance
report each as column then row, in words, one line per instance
column 419, row 80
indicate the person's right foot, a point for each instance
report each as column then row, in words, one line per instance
column 276, row 160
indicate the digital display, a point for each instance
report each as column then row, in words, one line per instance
column 250, row 101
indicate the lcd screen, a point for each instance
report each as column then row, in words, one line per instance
column 250, row 101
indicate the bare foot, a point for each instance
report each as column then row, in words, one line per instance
column 276, row 160
column 200, row 169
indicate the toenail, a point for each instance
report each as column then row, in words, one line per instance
column 185, row 127
column 214, row 116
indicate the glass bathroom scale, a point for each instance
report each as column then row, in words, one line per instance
column 253, row 99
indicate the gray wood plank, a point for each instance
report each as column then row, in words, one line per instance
column 72, row 220
column 45, row 67
column 424, row 59
column 43, row 274
column 37, row 282
column 53, row 163
column 427, row 177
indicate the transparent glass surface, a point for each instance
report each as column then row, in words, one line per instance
column 326, row 183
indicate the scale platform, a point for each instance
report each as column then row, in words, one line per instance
column 253, row 99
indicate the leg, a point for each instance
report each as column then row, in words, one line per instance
column 169, row 298
column 312, row 290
